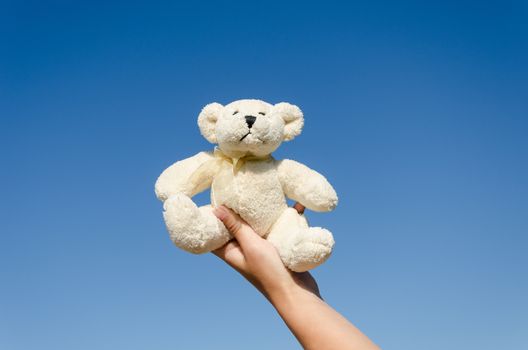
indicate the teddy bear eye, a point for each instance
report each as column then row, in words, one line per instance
column 262, row 113
column 235, row 112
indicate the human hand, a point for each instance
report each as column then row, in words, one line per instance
column 294, row 295
column 257, row 259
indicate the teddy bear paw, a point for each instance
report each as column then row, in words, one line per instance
column 193, row 229
column 180, row 213
column 311, row 248
column 180, row 201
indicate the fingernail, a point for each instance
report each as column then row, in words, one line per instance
column 220, row 212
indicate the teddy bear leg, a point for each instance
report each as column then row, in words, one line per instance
column 311, row 248
column 193, row 229
column 300, row 247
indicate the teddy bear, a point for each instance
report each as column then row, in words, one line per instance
column 244, row 177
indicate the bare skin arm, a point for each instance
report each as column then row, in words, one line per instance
column 295, row 296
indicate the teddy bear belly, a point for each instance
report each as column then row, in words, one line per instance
column 257, row 197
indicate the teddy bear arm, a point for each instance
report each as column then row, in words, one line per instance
column 178, row 178
column 306, row 186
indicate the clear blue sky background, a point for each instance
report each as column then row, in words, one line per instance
column 417, row 112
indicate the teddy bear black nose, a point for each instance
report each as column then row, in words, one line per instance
column 250, row 120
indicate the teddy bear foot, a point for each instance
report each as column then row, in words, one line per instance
column 193, row 229
column 310, row 248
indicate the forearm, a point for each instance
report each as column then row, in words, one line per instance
column 314, row 323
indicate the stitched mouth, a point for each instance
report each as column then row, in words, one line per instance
column 243, row 137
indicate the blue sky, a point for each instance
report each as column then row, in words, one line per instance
column 416, row 112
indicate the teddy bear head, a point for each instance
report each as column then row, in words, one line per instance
column 250, row 127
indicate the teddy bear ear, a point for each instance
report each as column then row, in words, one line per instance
column 207, row 120
column 293, row 119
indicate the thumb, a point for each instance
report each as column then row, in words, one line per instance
column 242, row 232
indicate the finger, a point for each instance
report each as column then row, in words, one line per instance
column 223, row 250
column 299, row 207
column 242, row 232
column 231, row 254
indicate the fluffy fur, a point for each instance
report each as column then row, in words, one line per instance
column 244, row 177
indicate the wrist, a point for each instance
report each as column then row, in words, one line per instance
column 283, row 294
column 288, row 294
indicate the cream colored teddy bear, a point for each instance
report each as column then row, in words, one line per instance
column 244, row 177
